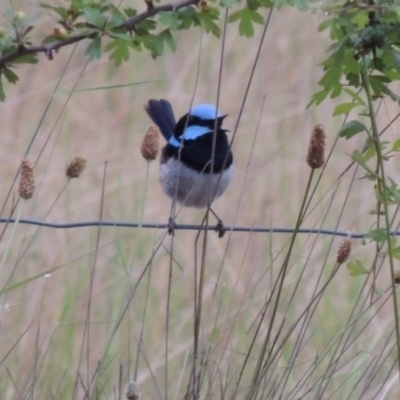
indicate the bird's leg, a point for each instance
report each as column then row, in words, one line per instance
column 220, row 228
column 171, row 226
column 171, row 220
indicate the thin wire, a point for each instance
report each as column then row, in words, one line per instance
column 122, row 224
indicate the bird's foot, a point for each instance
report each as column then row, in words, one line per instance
column 220, row 228
column 171, row 226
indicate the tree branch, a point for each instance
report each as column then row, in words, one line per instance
column 151, row 11
column 49, row 48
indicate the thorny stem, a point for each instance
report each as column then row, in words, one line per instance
column 384, row 191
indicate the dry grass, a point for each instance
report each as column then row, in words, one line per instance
column 49, row 343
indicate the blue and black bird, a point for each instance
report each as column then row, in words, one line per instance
column 188, row 174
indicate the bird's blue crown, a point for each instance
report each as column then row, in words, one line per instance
column 195, row 129
column 205, row 111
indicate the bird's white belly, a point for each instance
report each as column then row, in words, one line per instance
column 191, row 188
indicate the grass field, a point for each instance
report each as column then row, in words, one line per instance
column 121, row 305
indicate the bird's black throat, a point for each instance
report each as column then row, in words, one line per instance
column 196, row 153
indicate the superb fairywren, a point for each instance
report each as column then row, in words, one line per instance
column 188, row 174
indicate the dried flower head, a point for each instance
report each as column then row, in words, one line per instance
column 396, row 276
column 27, row 180
column 132, row 392
column 344, row 251
column 75, row 167
column 316, row 148
column 150, row 145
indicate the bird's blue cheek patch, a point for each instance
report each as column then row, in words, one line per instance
column 195, row 131
column 174, row 142
column 191, row 133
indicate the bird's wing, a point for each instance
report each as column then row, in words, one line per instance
column 160, row 111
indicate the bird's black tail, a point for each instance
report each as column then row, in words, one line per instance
column 160, row 111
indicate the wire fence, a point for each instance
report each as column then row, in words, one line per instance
column 123, row 224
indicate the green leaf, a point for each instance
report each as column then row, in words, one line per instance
column 94, row 48
column 395, row 97
column 356, row 268
column 61, row 11
column 354, row 80
column 370, row 152
column 336, row 90
column 252, row 4
column 119, row 51
column 362, row 161
column 7, row 45
column 351, row 128
column 10, row 75
column 325, row 25
column 170, row 19
column 331, row 77
column 246, row 18
column 115, row 21
column 169, row 40
column 116, row 12
column 187, row 17
column 396, row 145
column 378, row 235
column 394, row 193
column 395, row 196
column 344, row 108
column 94, row 17
column 237, row 15
column 266, row 3
column 355, row 96
column 145, row 26
column 156, row 43
column 124, row 36
column 361, row 19
column 302, row 5
column 26, row 59
column 256, row 4
column 395, row 253
column 228, row 3
column 379, row 84
column 318, row 97
column 207, row 20
column 350, row 64
column 130, row 12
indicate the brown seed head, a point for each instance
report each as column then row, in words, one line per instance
column 132, row 392
column 397, row 277
column 344, row 251
column 150, row 145
column 316, row 148
column 27, row 180
column 75, row 167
